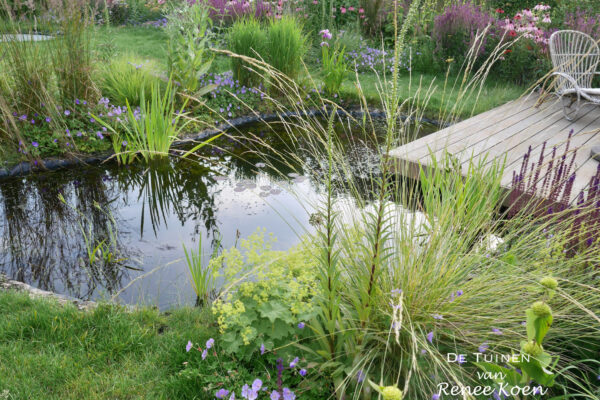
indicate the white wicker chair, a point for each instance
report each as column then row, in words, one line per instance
column 575, row 57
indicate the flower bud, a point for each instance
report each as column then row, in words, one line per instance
column 533, row 349
column 549, row 282
column 391, row 393
column 541, row 309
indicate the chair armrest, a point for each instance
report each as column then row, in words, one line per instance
column 571, row 80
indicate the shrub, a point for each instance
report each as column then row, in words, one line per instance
column 229, row 11
column 273, row 294
column 188, row 30
column 123, row 80
column 286, row 45
column 246, row 38
column 454, row 31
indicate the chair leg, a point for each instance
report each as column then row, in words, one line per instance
column 568, row 112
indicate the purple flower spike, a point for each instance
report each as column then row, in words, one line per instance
column 430, row 337
column 189, row 345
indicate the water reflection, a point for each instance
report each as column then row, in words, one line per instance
column 150, row 211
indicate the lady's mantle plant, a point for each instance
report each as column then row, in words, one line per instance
column 272, row 295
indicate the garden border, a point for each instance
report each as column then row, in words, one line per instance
column 52, row 164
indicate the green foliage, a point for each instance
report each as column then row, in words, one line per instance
column 533, row 362
column 335, row 68
column 523, row 62
column 201, row 276
column 286, row 45
column 246, row 38
column 188, row 27
column 151, row 131
column 123, row 80
column 270, row 293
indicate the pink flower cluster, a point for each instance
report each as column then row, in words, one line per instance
column 531, row 24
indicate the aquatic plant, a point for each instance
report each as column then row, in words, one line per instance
column 150, row 131
column 202, row 276
column 335, row 67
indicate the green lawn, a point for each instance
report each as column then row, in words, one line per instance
column 150, row 43
column 52, row 352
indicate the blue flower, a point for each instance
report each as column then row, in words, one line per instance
column 221, row 393
column 67, row 113
column 204, row 354
column 288, row 394
column 189, row 345
column 34, row 144
column 302, row 372
column 301, row 325
column 294, row 362
column 435, row 396
column 209, row 343
column 275, row 395
column 484, row 347
column 262, row 349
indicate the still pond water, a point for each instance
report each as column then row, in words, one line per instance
column 150, row 213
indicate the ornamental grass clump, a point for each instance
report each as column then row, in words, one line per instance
column 247, row 38
column 286, row 45
column 123, row 80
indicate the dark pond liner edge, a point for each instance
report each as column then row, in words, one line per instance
column 53, row 164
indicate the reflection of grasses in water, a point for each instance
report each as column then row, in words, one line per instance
column 167, row 186
column 42, row 235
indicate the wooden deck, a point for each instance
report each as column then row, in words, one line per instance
column 506, row 132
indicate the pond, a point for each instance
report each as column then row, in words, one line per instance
column 148, row 213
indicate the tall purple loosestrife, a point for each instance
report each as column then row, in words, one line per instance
column 455, row 29
column 545, row 190
column 584, row 22
column 227, row 11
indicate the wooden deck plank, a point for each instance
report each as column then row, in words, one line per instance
column 507, row 109
column 485, row 142
column 477, row 128
column 506, row 133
